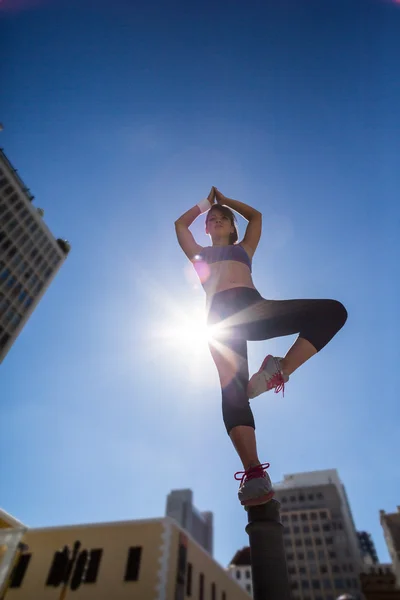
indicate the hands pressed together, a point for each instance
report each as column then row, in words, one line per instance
column 215, row 196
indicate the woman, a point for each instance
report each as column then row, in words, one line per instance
column 237, row 313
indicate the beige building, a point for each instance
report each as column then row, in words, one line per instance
column 30, row 256
column 149, row 560
column 391, row 529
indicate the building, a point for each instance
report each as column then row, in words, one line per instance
column 152, row 559
column 391, row 530
column 322, row 550
column 378, row 582
column 30, row 256
column 199, row 524
column 11, row 546
column 367, row 549
column 240, row 569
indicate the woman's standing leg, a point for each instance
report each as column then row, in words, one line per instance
column 230, row 357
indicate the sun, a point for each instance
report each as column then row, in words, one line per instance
column 189, row 333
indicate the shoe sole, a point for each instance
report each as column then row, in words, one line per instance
column 260, row 500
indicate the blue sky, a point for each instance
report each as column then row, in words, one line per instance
column 119, row 118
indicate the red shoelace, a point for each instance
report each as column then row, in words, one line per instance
column 278, row 383
column 252, row 473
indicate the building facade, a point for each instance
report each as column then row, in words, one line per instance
column 322, row 550
column 30, row 256
column 378, row 582
column 367, row 549
column 391, row 529
column 180, row 507
column 240, row 569
column 152, row 559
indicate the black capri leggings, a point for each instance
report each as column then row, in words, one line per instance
column 241, row 314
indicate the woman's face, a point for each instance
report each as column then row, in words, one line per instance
column 219, row 226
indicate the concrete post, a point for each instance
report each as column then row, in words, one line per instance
column 268, row 558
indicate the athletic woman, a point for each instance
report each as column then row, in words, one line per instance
column 237, row 313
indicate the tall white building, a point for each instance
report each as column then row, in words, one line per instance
column 322, row 549
column 199, row 524
column 30, row 256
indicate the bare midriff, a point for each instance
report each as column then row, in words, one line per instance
column 226, row 275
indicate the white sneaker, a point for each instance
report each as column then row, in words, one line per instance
column 269, row 376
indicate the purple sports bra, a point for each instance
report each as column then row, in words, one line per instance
column 213, row 254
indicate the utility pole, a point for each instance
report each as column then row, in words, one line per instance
column 268, row 558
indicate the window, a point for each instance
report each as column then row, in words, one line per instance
column 286, row 529
column 18, row 573
column 307, row 541
column 133, row 563
column 311, row 555
column 326, row 527
column 296, row 529
column 287, row 543
column 214, row 591
column 329, row 541
column 300, row 556
column 315, row 527
column 302, row 570
column 326, row 584
column 313, row 516
column 323, row 514
column 248, row 573
column 305, row 584
column 311, row 496
column 320, row 496
column 304, row 516
column 223, row 596
column 306, row 529
column 295, row 518
column 301, row 498
column 93, row 565
column 289, row 556
column 332, row 554
column 284, row 518
column 335, row 569
column 248, row 588
column 294, row 585
column 292, row 570
column 339, row 583
column 323, row 569
column 298, row 542
column 189, row 575
column 201, row 586
column 283, row 499
column 292, row 498
column 318, row 541
column 316, row 584
column 238, row 574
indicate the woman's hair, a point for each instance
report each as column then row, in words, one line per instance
column 227, row 212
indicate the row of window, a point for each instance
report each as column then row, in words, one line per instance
column 198, row 588
column 325, row 584
column 302, row 498
column 313, row 569
column 85, row 570
column 87, row 565
column 311, row 555
column 304, row 516
column 307, row 541
column 315, row 527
